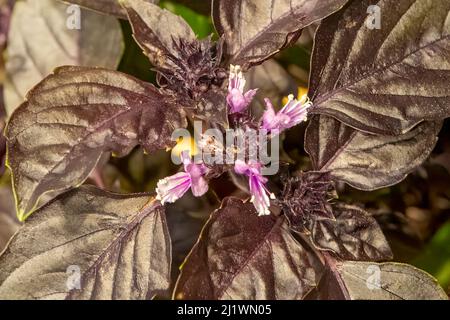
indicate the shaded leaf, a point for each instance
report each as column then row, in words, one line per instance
column 242, row 256
column 119, row 243
column 8, row 226
column 255, row 30
column 365, row 161
column 110, row 7
column 388, row 281
column 329, row 288
column 75, row 115
column 384, row 80
column 353, row 235
column 8, row 222
column 40, row 40
column 157, row 31
column 2, row 145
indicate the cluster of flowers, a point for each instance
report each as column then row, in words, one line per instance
column 295, row 111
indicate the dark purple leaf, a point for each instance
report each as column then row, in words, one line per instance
column 188, row 67
column 384, row 80
column 2, row 136
column 366, row 161
column 255, row 30
column 243, row 256
column 8, row 220
column 353, row 235
column 119, row 244
column 377, row 281
column 110, row 7
column 75, row 115
column 158, row 31
column 2, row 145
column 330, row 287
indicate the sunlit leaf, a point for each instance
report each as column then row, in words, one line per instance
column 255, row 30
column 157, row 31
column 75, row 115
column 379, row 281
column 435, row 257
column 383, row 79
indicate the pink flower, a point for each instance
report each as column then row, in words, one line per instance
column 172, row 188
column 257, row 185
column 237, row 100
column 290, row 115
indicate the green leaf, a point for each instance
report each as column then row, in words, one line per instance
column 435, row 258
column 201, row 24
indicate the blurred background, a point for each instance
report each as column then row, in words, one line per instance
column 414, row 214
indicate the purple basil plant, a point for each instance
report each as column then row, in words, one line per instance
column 377, row 98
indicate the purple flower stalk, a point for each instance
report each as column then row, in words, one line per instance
column 237, row 100
column 257, row 184
column 172, row 188
column 294, row 112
